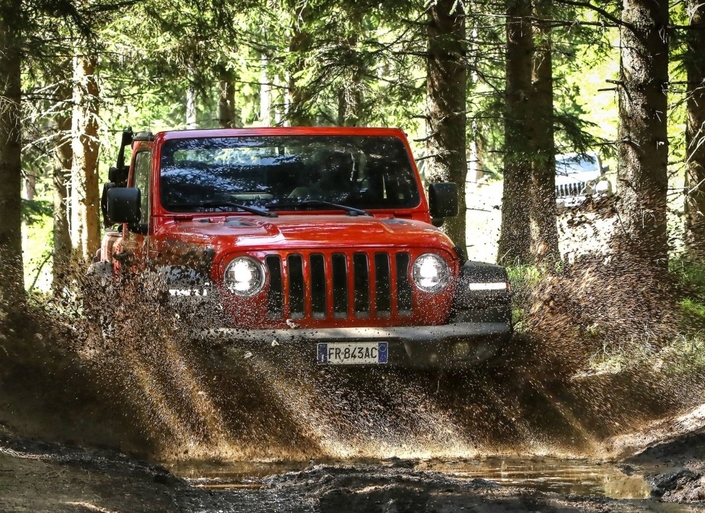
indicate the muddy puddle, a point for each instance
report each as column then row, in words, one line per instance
column 548, row 475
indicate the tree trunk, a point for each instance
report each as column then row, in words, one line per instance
column 350, row 94
column 278, row 100
column 30, row 187
column 11, row 270
column 191, row 110
column 643, row 137
column 300, row 42
column 446, row 141
column 85, row 201
column 515, row 236
column 265, row 94
column 695, row 134
column 544, row 247
column 350, row 103
column 61, row 178
column 226, row 104
column 476, row 168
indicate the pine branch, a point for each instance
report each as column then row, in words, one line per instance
column 598, row 10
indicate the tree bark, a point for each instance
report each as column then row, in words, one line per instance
column 695, row 134
column 350, row 103
column 85, row 200
column 11, row 268
column 514, row 245
column 350, row 94
column 191, row 110
column 446, row 140
column 544, row 247
column 476, row 168
column 226, row 104
column 265, row 94
column 299, row 113
column 643, row 136
column 30, row 186
column 61, row 178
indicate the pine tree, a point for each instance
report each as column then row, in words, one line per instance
column 11, row 270
column 643, row 134
column 544, row 247
column 446, row 77
column 695, row 132
column 515, row 237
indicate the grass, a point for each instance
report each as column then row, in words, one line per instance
column 524, row 280
column 37, row 254
column 690, row 277
column 682, row 353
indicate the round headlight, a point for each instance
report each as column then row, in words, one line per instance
column 244, row 276
column 603, row 187
column 430, row 272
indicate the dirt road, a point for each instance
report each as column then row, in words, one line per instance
column 514, row 438
column 52, row 478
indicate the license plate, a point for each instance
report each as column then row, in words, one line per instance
column 352, row 353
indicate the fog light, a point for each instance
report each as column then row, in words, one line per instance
column 603, row 187
column 461, row 350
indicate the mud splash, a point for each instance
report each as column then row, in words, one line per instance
column 131, row 379
column 169, row 399
column 217, row 402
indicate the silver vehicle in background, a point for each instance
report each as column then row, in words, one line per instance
column 579, row 175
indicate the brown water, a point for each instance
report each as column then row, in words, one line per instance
column 563, row 476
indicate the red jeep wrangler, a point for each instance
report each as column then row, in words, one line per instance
column 319, row 238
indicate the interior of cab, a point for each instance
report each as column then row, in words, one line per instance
column 356, row 171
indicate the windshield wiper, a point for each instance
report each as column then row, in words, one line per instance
column 352, row 211
column 224, row 204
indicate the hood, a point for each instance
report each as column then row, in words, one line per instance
column 302, row 232
column 575, row 177
column 575, row 168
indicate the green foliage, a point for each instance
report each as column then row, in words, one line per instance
column 694, row 310
column 690, row 277
column 35, row 211
column 523, row 280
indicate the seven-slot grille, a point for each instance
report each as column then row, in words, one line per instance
column 339, row 285
column 570, row 189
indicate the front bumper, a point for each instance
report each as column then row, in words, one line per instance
column 455, row 345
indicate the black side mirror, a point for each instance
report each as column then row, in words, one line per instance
column 443, row 200
column 124, row 205
column 107, row 222
column 118, row 175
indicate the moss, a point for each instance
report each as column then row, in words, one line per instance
column 694, row 310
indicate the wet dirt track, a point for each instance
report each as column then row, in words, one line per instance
column 324, row 440
column 320, row 439
column 57, row 479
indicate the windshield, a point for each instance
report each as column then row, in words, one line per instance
column 569, row 164
column 284, row 171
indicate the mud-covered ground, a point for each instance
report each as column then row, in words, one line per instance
column 55, row 478
column 94, row 387
column 295, row 438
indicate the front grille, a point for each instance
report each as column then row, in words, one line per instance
column 339, row 285
column 570, row 189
